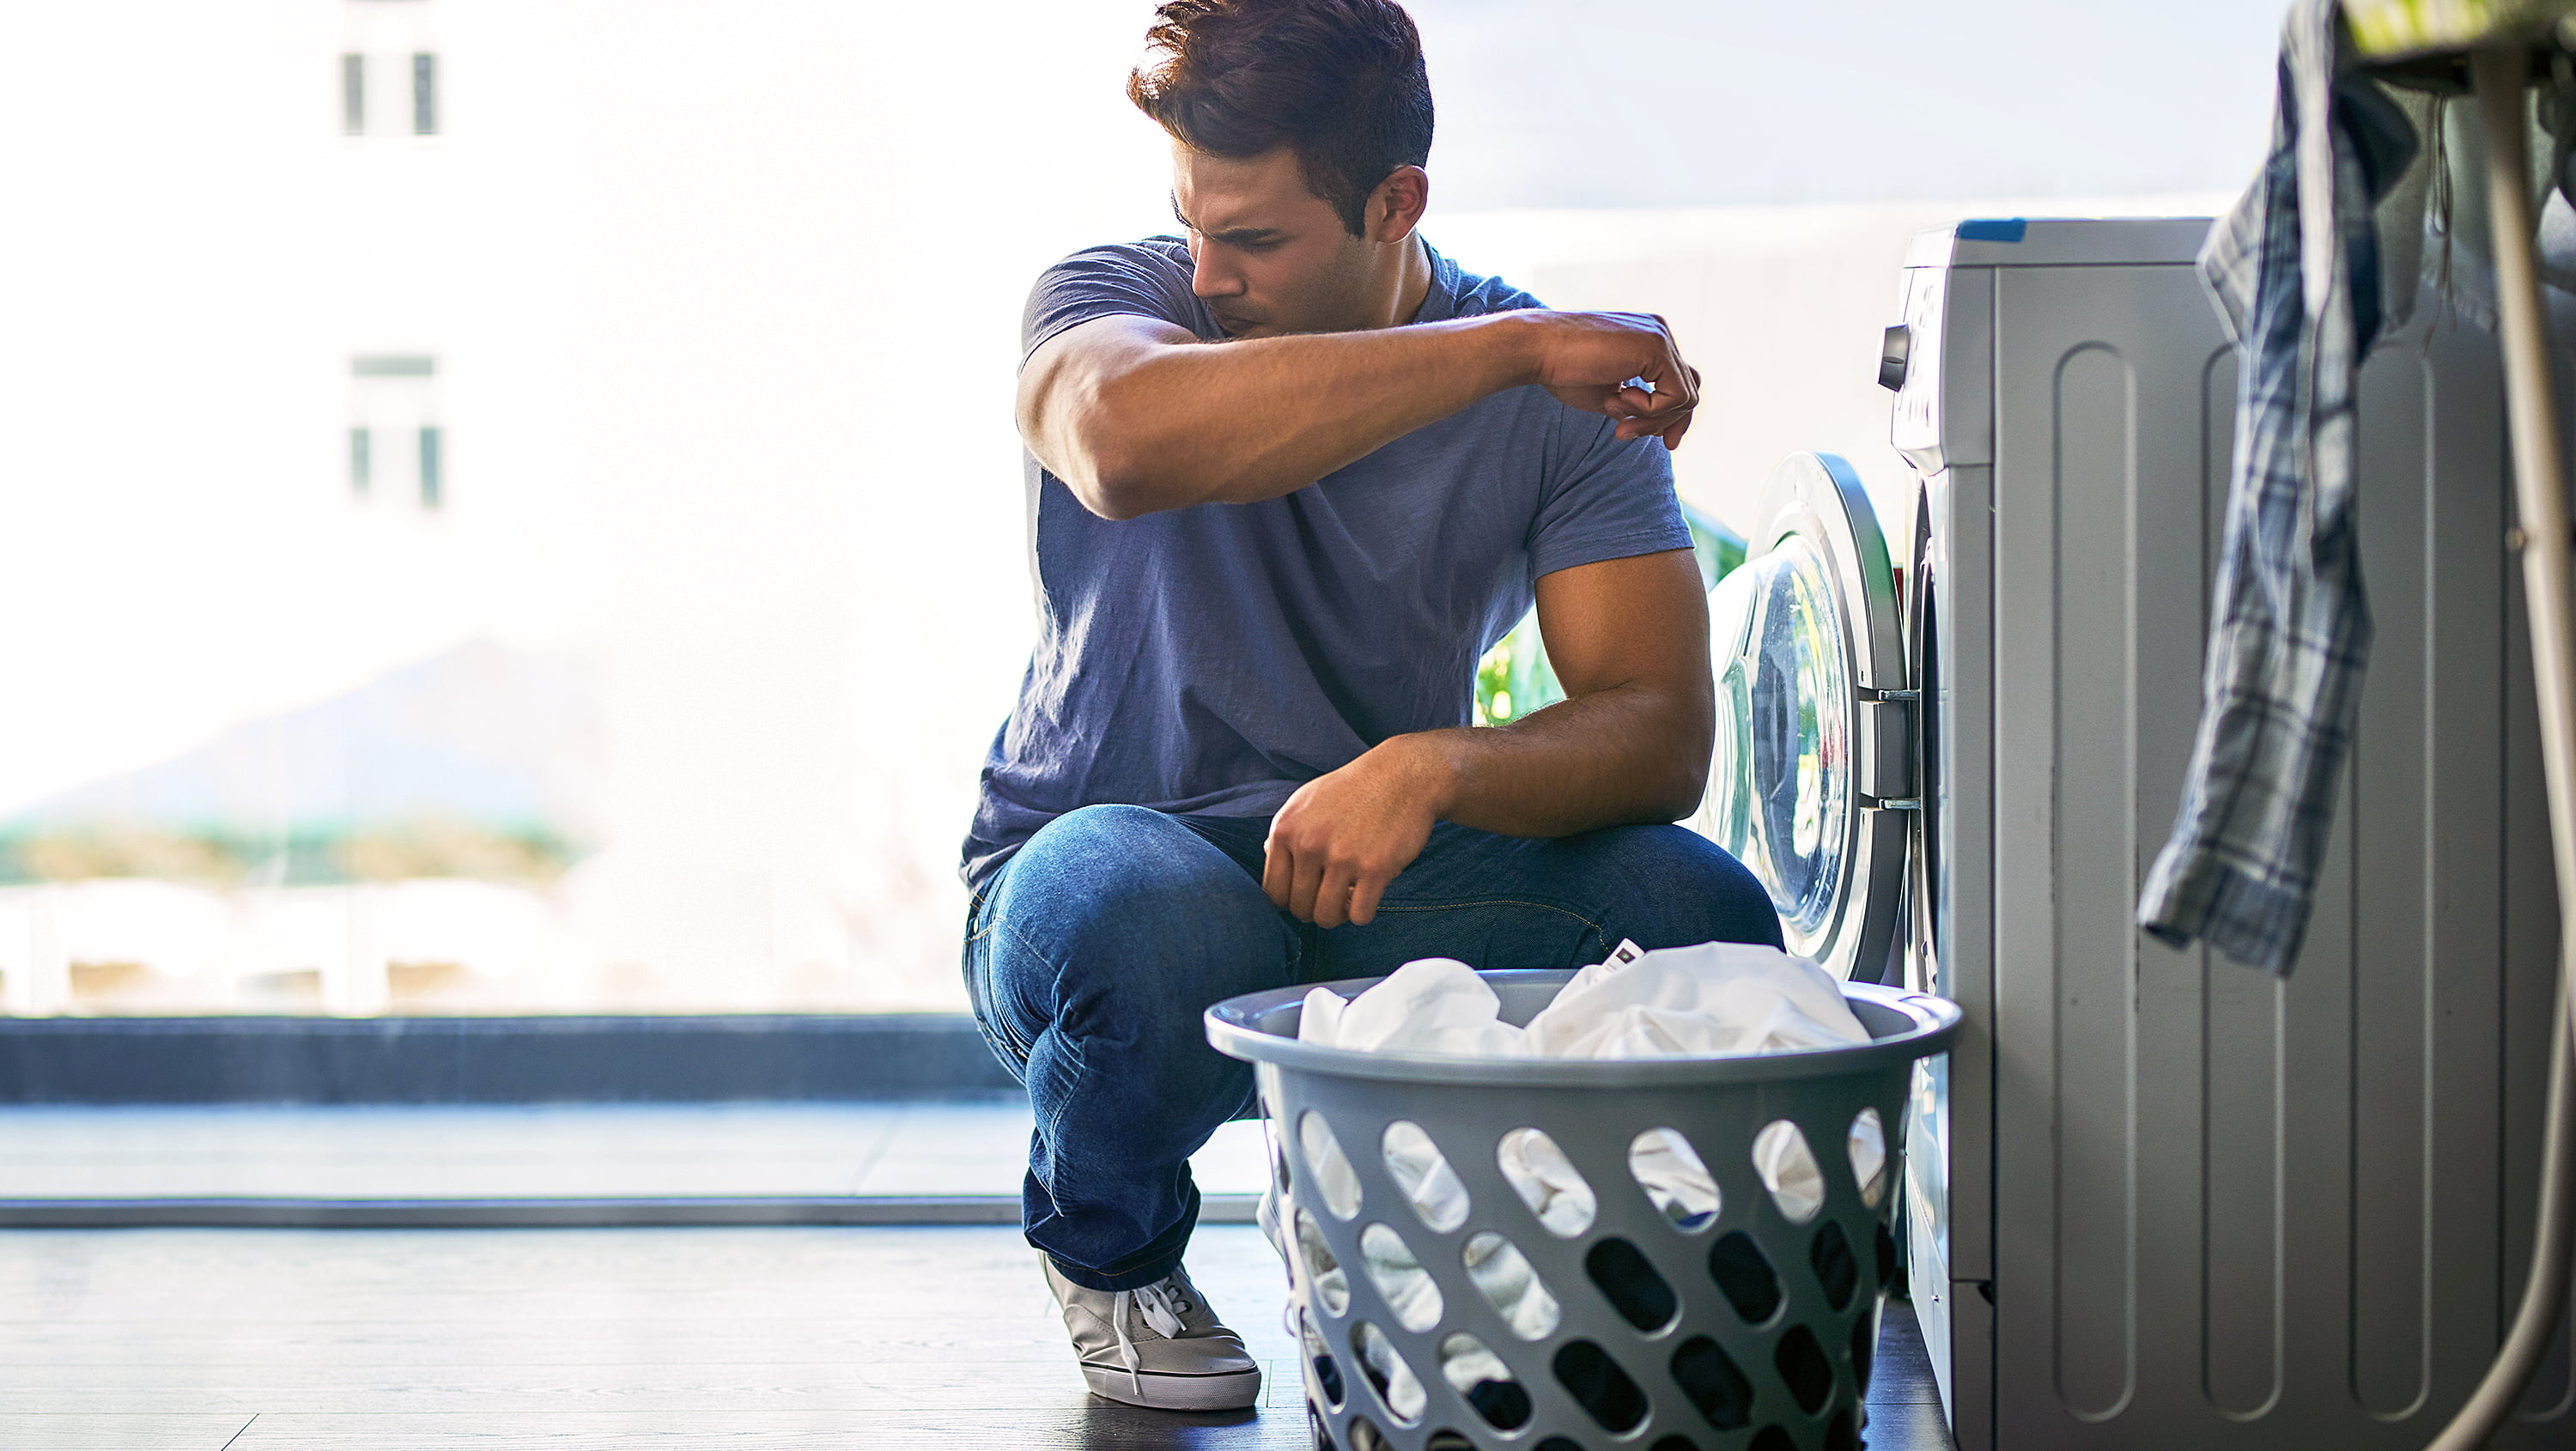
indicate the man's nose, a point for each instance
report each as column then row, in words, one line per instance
column 1210, row 277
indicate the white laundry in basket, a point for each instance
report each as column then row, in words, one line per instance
column 1714, row 998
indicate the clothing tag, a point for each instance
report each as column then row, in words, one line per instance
column 1626, row 952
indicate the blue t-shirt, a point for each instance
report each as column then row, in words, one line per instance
column 1212, row 659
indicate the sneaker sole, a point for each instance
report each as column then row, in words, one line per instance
column 1231, row 1390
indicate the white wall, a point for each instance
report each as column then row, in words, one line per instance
column 1780, row 308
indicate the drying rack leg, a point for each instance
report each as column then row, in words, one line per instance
column 2500, row 75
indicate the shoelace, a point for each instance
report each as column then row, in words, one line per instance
column 1160, row 1305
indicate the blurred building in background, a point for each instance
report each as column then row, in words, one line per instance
column 513, row 506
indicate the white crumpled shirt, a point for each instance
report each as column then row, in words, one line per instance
column 1717, row 997
column 1714, row 998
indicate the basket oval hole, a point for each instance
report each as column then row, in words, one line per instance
column 1839, row 1435
column 1674, row 1177
column 1447, row 1440
column 1867, row 1145
column 1675, row 1443
column 1388, row 1375
column 1599, row 1386
column 1864, row 1349
column 1400, row 1278
column 1836, row 1270
column 1744, row 1277
column 1484, row 1382
column 1788, row 1169
column 1629, row 1282
column 1365, row 1436
column 1556, row 1443
column 1418, row 1168
column 1804, row 1369
column 1771, row 1438
column 1279, row 1171
column 1714, row 1383
column 1546, row 1181
column 1333, row 1177
column 1331, row 1285
column 1328, row 1375
column 1502, row 1274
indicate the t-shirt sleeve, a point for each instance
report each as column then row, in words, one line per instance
column 1606, row 498
column 1127, row 280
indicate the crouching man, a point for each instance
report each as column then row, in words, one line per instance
column 1290, row 474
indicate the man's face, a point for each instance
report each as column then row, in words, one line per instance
column 1271, row 256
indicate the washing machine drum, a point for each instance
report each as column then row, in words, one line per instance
column 1809, row 783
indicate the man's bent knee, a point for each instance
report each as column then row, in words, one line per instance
column 1680, row 888
column 1125, row 902
column 1120, row 870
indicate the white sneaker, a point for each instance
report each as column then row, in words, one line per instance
column 1266, row 1214
column 1158, row 1346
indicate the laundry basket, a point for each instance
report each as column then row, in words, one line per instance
column 1569, row 1283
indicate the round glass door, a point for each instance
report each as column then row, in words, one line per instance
column 1788, row 689
column 1804, row 650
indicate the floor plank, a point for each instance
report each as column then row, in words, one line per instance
column 1901, row 1374
column 95, row 1430
column 1911, row 1426
column 1093, row 1425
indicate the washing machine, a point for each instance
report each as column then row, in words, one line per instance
column 2155, row 1198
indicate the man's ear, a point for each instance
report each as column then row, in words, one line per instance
column 1395, row 207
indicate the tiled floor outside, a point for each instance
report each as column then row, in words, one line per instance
column 544, row 1151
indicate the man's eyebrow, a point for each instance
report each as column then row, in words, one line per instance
column 1239, row 236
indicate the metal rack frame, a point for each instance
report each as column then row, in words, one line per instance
column 2498, row 76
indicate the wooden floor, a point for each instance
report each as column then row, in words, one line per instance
column 265, row 1340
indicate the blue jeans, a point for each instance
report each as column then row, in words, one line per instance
column 1091, row 953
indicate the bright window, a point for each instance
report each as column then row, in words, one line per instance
column 576, row 560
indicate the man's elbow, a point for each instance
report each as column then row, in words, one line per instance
column 1111, row 496
column 1678, row 795
column 1113, row 474
column 1685, row 764
column 1100, row 476
column 1080, row 427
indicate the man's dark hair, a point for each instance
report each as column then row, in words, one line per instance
column 1339, row 81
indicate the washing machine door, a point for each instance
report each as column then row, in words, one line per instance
column 1811, row 782
column 1924, row 938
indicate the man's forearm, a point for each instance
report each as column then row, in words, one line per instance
column 1611, row 758
column 1164, row 425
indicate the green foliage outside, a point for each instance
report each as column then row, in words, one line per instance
column 215, row 857
column 1514, row 678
